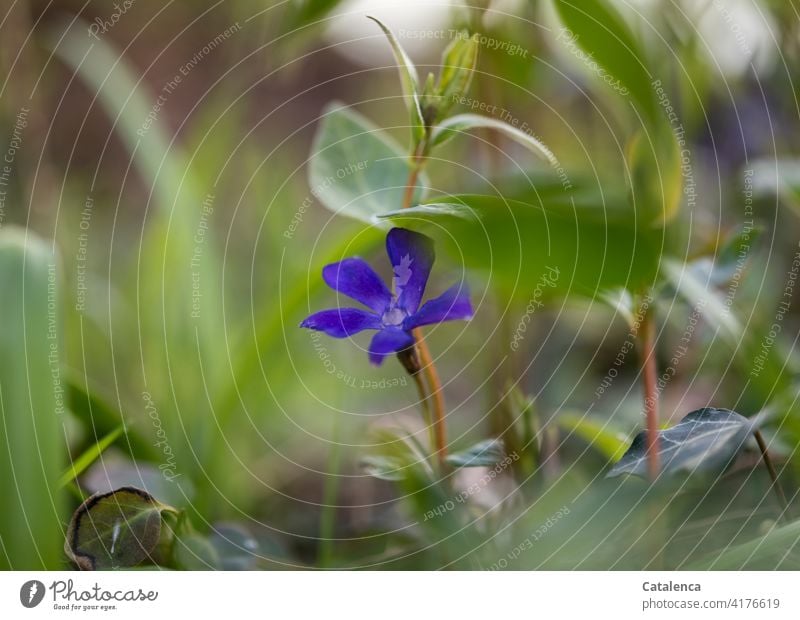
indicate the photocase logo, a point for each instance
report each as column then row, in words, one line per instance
column 31, row 593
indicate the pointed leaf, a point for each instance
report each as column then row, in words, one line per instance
column 461, row 123
column 80, row 464
column 596, row 27
column 409, row 81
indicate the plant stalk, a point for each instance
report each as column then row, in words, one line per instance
column 434, row 393
column 426, row 409
column 773, row 474
column 647, row 345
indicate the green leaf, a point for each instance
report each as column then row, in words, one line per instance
column 599, row 434
column 356, row 169
column 772, row 551
column 80, row 464
column 486, row 453
column 597, row 28
column 705, row 440
column 654, row 162
column 458, row 66
column 621, row 301
column 580, row 247
column 32, row 402
column 195, row 552
column 731, row 258
column 461, row 123
column 696, row 288
column 401, row 456
column 410, row 82
column 301, row 13
column 654, row 158
column 179, row 197
column 115, row 530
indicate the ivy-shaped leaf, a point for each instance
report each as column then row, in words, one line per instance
column 707, row 439
column 115, row 530
column 486, row 453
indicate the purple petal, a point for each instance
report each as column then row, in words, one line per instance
column 452, row 305
column 356, row 279
column 342, row 322
column 412, row 257
column 386, row 342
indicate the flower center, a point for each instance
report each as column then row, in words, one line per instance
column 394, row 317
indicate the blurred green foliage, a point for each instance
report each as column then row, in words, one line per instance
column 209, row 220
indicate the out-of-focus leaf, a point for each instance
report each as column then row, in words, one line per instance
column 597, row 28
column 776, row 550
column 586, row 248
column 700, row 295
column 609, row 442
column 236, row 548
column 177, row 323
column 409, row 80
column 486, row 453
column 301, row 13
column 621, row 301
column 383, row 467
column 461, row 123
column 115, row 530
column 777, row 177
column 163, row 482
column 32, row 408
column 356, row 169
column 656, row 173
column 707, row 439
column 731, row 258
column 399, row 453
column 193, row 551
column 654, row 159
column 80, row 464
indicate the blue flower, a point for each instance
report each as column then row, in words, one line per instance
column 394, row 314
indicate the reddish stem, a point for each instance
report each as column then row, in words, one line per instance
column 431, row 375
column 647, row 340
